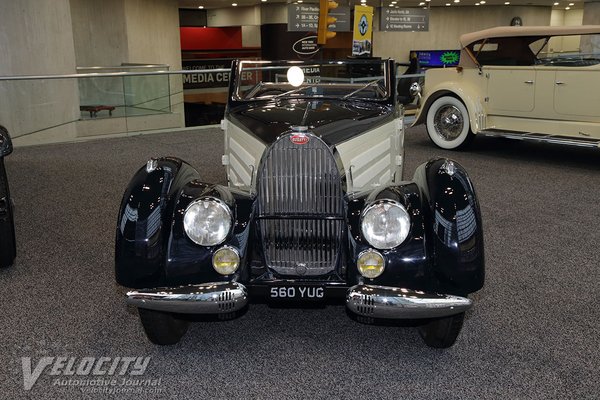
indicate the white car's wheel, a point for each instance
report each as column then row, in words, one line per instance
column 448, row 123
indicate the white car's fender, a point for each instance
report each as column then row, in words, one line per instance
column 467, row 91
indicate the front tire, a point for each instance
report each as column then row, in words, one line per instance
column 448, row 124
column 162, row 328
column 441, row 333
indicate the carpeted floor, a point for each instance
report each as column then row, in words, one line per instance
column 534, row 332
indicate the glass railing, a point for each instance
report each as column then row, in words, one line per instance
column 120, row 100
column 94, row 101
column 129, row 95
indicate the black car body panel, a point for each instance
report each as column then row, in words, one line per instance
column 8, row 248
column 333, row 121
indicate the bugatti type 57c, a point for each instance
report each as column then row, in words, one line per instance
column 315, row 209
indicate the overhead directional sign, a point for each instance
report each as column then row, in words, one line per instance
column 303, row 18
column 342, row 16
column 404, row 19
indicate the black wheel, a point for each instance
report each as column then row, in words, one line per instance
column 448, row 124
column 8, row 249
column 441, row 333
column 162, row 328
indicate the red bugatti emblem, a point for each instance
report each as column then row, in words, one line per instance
column 299, row 139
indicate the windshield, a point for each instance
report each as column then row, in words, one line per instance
column 345, row 79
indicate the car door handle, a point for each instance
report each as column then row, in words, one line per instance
column 559, row 83
column 529, row 82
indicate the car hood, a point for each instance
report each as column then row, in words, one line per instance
column 333, row 120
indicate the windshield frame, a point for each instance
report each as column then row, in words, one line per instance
column 385, row 87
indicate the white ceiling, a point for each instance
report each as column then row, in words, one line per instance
column 208, row 4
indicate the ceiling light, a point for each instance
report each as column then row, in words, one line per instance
column 506, row 3
column 234, row 4
column 200, row 6
column 448, row 4
column 567, row 8
column 457, row 1
column 476, row 4
column 264, row 1
column 421, row 3
column 482, row 2
column 571, row 4
column 556, row 3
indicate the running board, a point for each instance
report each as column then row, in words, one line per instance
column 538, row 137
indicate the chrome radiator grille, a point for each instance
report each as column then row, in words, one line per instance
column 300, row 207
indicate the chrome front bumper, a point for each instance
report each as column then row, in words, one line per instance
column 205, row 298
column 399, row 303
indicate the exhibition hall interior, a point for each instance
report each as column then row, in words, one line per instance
column 299, row 199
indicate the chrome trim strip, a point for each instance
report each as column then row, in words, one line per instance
column 126, row 66
column 400, row 303
column 205, row 298
column 543, row 138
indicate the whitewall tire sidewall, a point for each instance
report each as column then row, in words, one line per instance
column 438, row 139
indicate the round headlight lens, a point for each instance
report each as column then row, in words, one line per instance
column 226, row 260
column 370, row 264
column 207, row 221
column 385, row 224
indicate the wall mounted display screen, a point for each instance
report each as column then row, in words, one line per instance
column 436, row 58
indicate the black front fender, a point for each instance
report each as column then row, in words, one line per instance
column 188, row 262
column 454, row 227
column 144, row 221
column 6, row 146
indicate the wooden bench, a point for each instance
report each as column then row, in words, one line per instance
column 93, row 110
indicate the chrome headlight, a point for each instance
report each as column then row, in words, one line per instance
column 207, row 221
column 385, row 224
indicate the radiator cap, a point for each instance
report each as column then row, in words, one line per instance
column 300, row 129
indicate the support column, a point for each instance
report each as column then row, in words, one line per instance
column 36, row 38
column 591, row 16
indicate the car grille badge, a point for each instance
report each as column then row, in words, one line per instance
column 299, row 135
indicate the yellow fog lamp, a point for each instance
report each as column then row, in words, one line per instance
column 226, row 260
column 370, row 264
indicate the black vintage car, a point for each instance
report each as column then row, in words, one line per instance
column 315, row 209
column 8, row 248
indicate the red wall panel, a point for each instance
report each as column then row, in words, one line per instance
column 211, row 38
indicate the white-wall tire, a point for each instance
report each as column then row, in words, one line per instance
column 448, row 124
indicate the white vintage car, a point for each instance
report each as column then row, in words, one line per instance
column 514, row 82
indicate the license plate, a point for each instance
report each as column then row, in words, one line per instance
column 297, row 293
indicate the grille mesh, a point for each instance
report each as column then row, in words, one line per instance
column 300, row 207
